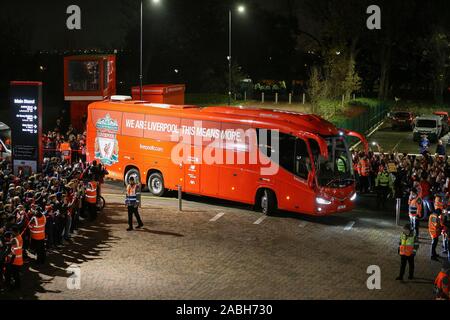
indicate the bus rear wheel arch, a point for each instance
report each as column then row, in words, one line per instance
column 266, row 201
column 132, row 172
column 155, row 183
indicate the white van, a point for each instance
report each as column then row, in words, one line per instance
column 431, row 126
column 5, row 138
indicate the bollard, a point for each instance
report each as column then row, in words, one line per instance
column 354, row 96
column 276, row 97
column 245, row 95
column 304, row 98
column 262, row 97
column 180, row 202
column 290, row 98
column 235, row 97
column 397, row 211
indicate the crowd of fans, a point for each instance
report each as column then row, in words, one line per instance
column 421, row 185
column 70, row 145
column 45, row 209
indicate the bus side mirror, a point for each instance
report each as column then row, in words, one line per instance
column 360, row 137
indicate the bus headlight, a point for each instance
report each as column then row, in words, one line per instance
column 353, row 198
column 322, row 201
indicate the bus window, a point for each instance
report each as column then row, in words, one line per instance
column 302, row 160
column 287, row 155
column 265, row 147
column 293, row 153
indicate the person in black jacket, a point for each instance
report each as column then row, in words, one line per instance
column 440, row 149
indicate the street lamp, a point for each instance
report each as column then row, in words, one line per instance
column 141, row 73
column 241, row 10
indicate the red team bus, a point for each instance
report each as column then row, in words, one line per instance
column 271, row 159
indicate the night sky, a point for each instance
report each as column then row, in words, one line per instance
column 104, row 22
column 45, row 21
column 187, row 41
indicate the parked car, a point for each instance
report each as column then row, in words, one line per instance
column 431, row 126
column 402, row 119
column 445, row 121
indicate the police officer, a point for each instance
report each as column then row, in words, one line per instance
column 342, row 163
column 407, row 250
column 132, row 202
column 384, row 186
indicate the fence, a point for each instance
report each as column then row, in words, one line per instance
column 365, row 122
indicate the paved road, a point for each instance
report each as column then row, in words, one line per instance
column 398, row 140
column 220, row 250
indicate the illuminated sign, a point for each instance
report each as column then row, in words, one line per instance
column 26, row 124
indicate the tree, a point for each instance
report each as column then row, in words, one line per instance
column 317, row 86
column 439, row 56
column 352, row 82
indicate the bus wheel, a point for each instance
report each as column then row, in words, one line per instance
column 268, row 202
column 132, row 173
column 156, row 184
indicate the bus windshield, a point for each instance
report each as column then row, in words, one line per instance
column 336, row 171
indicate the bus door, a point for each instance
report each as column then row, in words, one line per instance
column 237, row 175
column 292, row 180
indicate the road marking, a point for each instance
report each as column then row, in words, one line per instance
column 398, row 143
column 349, row 225
column 370, row 133
column 260, row 220
column 217, row 217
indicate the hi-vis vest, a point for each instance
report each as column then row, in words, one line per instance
column 383, row 179
column 441, row 285
column 407, row 245
column 91, row 192
column 16, row 250
column 342, row 164
column 37, row 228
column 65, row 150
column 434, row 226
column 131, row 197
column 415, row 207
